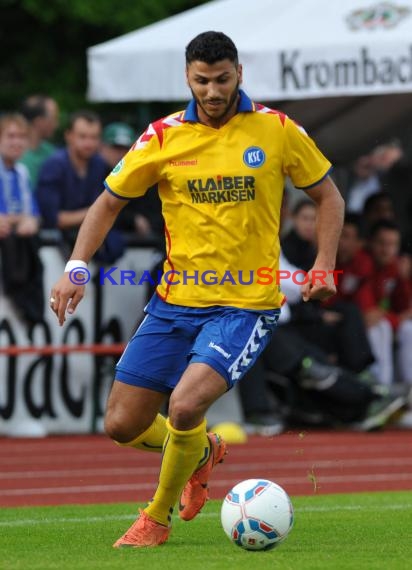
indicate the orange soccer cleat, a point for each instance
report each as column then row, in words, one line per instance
column 144, row 532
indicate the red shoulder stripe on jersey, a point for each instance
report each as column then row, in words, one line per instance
column 282, row 117
column 157, row 128
column 144, row 138
column 263, row 109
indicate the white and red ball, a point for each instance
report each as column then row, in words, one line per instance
column 257, row 514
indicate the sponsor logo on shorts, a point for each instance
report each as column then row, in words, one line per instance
column 219, row 349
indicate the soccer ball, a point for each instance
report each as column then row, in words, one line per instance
column 257, row 514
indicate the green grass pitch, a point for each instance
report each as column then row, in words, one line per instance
column 335, row 532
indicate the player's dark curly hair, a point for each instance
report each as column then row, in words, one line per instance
column 211, row 47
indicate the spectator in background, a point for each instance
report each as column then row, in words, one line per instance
column 386, row 301
column 299, row 244
column 22, row 271
column 354, row 263
column 117, row 139
column 42, row 114
column 307, row 388
column 396, row 179
column 377, row 207
column 18, row 209
column 72, row 177
column 336, row 326
column 365, row 183
column 314, row 391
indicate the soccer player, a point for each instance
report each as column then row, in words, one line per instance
column 220, row 167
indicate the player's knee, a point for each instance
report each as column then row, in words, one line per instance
column 118, row 429
column 183, row 414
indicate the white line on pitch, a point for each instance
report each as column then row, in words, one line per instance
column 108, row 518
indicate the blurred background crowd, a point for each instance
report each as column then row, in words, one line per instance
column 344, row 363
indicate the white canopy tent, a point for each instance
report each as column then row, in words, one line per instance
column 352, row 58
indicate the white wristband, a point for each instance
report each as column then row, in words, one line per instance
column 75, row 264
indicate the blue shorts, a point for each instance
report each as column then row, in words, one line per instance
column 170, row 337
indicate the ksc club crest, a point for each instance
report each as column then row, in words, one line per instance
column 254, row 157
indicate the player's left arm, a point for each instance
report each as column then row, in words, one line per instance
column 330, row 213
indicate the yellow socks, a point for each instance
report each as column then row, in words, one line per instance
column 152, row 439
column 184, row 451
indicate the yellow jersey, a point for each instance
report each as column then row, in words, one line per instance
column 221, row 192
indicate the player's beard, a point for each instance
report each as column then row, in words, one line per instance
column 228, row 108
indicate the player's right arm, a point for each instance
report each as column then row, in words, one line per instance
column 136, row 172
column 96, row 225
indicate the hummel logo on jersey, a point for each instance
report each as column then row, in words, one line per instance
column 192, row 162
